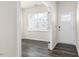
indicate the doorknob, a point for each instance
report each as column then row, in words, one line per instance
column 59, row 27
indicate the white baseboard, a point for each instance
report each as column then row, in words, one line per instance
column 35, row 39
column 51, row 47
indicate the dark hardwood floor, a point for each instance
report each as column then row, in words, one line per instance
column 33, row 48
column 64, row 50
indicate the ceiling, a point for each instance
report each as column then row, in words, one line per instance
column 28, row 4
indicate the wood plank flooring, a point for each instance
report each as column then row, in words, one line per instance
column 33, row 48
column 64, row 50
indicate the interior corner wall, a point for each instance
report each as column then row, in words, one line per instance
column 34, row 35
column 53, row 26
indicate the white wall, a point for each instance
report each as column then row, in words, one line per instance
column 53, row 25
column 8, row 29
column 62, row 9
column 78, row 27
column 42, row 36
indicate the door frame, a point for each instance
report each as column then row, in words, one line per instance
column 19, row 48
column 19, row 34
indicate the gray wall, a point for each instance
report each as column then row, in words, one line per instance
column 8, row 29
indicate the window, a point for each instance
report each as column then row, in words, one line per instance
column 38, row 21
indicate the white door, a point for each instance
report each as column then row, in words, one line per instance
column 66, row 22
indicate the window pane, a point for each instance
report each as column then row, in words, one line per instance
column 38, row 22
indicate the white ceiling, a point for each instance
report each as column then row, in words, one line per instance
column 28, row 4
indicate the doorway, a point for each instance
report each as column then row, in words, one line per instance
column 67, row 22
column 66, row 30
column 34, row 29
